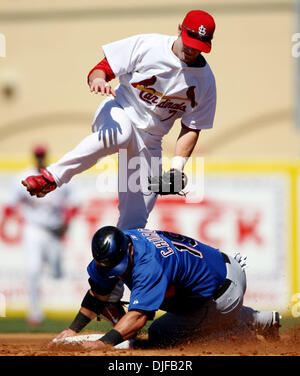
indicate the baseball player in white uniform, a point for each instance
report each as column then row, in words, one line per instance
column 45, row 223
column 161, row 78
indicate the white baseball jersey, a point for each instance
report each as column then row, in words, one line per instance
column 156, row 87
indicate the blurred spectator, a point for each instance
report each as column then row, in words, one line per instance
column 45, row 223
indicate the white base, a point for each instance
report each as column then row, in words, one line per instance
column 91, row 337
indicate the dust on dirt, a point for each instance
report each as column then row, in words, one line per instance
column 36, row 344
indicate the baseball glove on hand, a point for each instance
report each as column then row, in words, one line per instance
column 60, row 231
column 170, row 183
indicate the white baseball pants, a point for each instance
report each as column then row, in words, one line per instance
column 41, row 247
column 139, row 153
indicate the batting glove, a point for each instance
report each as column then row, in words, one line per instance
column 40, row 185
column 171, row 182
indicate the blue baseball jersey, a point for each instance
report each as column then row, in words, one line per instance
column 165, row 264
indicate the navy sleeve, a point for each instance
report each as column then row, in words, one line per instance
column 100, row 285
column 148, row 290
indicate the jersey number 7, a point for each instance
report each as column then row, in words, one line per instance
column 183, row 247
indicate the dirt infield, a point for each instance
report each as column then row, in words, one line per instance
column 35, row 344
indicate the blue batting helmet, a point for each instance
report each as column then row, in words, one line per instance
column 110, row 250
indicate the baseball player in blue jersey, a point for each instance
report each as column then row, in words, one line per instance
column 200, row 288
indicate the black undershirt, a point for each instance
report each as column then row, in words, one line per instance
column 199, row 62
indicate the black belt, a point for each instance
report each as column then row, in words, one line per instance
column 221, row 289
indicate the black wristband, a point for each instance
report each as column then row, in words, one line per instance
column 79, row 322
column 113, row 337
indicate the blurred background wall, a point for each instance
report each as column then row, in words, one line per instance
column 51, row 46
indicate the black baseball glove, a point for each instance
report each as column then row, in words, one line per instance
column 170, row 183
column 59, row 231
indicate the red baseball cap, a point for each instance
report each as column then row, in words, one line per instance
column 197, row 30
column 39, row 150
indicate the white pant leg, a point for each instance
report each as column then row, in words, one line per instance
column 33, row 238
column 135, row 200
column 53, row 250
column 112, row 130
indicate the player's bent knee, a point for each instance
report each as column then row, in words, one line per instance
column 154, row 334
column 158, row 335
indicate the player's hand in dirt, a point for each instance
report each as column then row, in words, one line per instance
column 99, row 85
column 65, row 333
column 95, row 345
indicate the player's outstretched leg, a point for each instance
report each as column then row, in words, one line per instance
column 265, row 323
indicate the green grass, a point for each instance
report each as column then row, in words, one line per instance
column 19, row 325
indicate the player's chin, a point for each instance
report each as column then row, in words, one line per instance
column 186, row 58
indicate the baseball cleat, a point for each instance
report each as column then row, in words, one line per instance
column 271, row 333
